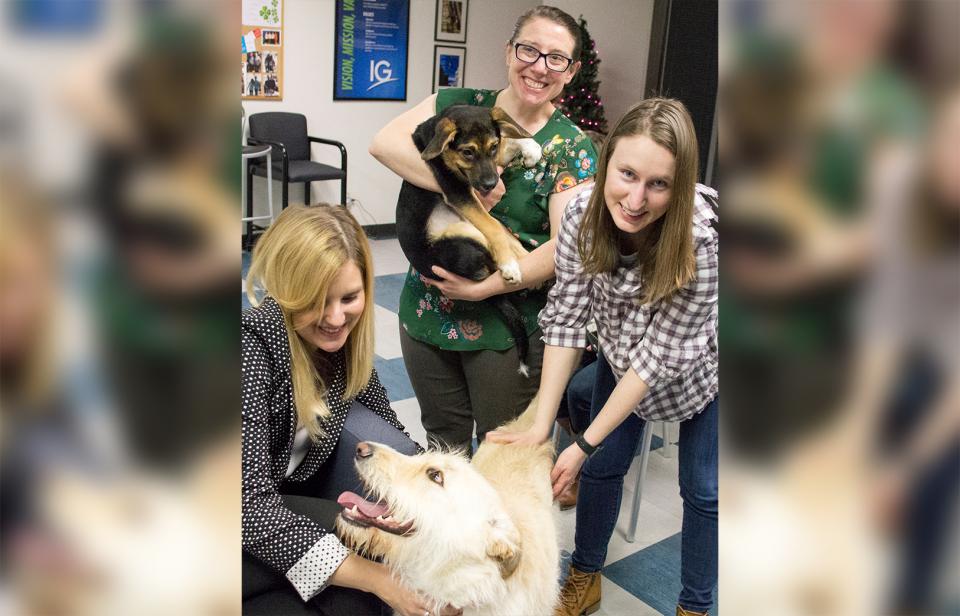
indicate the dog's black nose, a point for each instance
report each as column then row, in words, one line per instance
column 488, row 184
column 364, row 450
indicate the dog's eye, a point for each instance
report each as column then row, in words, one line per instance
column 435, row 475
column 467, row 154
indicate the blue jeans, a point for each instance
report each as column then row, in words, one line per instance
column 601, row 491
column 577, row 398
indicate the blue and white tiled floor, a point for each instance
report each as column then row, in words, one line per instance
column 639, row 579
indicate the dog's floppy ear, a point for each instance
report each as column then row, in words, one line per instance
column 508, row 128
column 503, row 546
column 443, row 134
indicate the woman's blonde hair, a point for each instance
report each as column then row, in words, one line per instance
column 28, row 251
column 295, row 262
column 669, row 263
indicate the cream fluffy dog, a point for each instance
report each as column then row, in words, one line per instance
column 480, row 536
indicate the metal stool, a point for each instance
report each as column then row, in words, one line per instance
column 643, row 450
column 250, row 152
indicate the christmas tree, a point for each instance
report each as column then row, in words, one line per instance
column 580, row 100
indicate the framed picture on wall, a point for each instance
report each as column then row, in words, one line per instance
column 450, row 23
column 449, row 64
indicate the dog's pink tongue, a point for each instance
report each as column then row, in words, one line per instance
column 371, row 510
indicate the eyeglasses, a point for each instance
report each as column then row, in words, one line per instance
column 554, row 61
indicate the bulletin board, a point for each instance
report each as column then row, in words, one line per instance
column 261, row 50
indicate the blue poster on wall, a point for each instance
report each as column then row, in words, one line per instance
column 370, row 53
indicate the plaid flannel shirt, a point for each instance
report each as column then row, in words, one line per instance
column 671, row 344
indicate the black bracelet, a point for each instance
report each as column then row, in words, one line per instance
column 585, row 446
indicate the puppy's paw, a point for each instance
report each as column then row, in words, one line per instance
column 530, row 151
column 511, row 272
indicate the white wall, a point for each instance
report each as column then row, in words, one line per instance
column 620, row 27
column 489, row 26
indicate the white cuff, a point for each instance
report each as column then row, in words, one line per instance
column 309, row 575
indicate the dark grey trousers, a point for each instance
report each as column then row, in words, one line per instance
column 338, row 473
column 457, row 389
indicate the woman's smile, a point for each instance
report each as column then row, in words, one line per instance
column 536, row 85
column 327, row 329
column 632, row 216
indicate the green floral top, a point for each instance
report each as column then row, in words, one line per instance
column 568, row 159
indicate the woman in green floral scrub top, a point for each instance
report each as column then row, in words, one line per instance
column 568, row 159
column 458, row 352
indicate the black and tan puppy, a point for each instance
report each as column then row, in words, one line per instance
column 463, row 146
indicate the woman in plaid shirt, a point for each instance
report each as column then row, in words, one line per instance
column 639, row 258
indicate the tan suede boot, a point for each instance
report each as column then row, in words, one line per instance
column 580, row 594
column 683, row 612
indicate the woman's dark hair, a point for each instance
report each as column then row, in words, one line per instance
column 555, row 15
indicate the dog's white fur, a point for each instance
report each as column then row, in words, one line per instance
column 484, row 541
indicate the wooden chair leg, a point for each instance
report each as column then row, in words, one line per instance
column 306, row 193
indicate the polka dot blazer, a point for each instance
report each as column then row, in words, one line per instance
column 292, row 544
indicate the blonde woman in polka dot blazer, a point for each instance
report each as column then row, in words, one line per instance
column 310, row 394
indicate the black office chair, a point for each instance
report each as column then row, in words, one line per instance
column 287, row 133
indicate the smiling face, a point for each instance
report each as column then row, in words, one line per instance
column 639, row 185
column 534, row 84
column 328, row 329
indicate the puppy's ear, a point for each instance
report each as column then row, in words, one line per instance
column 508, row 128
column 503, row 546
column 443, row 134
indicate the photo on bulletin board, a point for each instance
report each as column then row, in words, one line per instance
column 450, row 22
column 270, row 62
column 254, row 62
column 449, row 64
column 270, row 87
column 271, row 38
column 253, row 85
